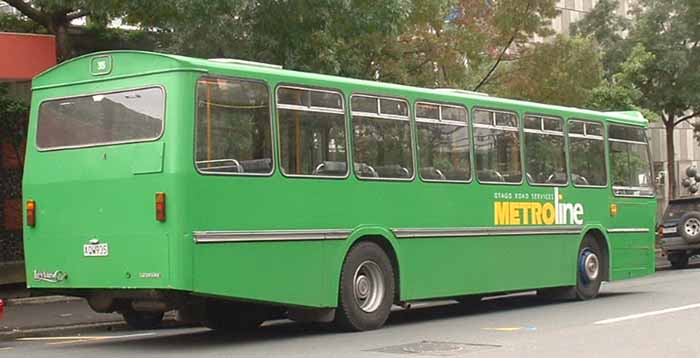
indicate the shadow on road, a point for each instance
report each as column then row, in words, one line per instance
column 201, row 339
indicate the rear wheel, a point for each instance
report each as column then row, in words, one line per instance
column 142, row 320
column 678, row 260
column 590, row 269
column 234, row 316
column 366, row 289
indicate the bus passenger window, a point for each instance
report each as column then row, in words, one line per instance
column 629, row 160
column 312, row 132
column 545, row 155
column 497, row 146
column 233, row 127
column 381, row 138
column 443, row 142
column 587, row 151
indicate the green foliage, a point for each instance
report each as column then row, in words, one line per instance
column 14, row 116
column 564, row 71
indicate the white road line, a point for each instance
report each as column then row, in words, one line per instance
column 85, row 337
column 648, row 314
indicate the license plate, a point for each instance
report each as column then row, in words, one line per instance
column 670, row 230
column 95, row 250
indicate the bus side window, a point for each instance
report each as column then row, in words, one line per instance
column 381, row 138
column 587, row 153
column 312, row 132
column 443, row 142
column 545, row 152
column 233, row 134
column 497, row 146
column 629, row 161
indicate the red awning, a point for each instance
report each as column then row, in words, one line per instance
column 23, row 56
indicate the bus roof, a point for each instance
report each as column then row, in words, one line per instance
column 133, row 63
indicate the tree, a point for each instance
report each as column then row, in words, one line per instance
column 562, row 71
column 666, row 65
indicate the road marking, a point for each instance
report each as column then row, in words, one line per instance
column 510, row 329
column 5, row 348
column 648, row 314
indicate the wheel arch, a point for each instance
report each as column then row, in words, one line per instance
column 381, row 236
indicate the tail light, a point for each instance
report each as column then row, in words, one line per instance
column 160, row 206
column 31, row 213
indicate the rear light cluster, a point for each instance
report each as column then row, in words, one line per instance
column 31, row 213
column 160, row 206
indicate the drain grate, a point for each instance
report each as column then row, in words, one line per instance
column 436, row 349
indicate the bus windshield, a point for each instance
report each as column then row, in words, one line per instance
column 101, row 119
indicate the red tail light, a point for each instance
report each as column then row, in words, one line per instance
column 160, row 206
column 31, row 213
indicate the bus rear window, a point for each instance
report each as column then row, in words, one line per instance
column 101, row 119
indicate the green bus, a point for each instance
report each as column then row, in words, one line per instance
column 224, row 189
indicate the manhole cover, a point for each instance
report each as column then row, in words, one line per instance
column 437, row 349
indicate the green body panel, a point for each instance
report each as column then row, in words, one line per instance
column 108, row 193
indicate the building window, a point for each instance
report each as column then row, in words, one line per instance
column 497, row 146
column 545, row 151
column 381, row 138
column 443, row 142
column 233, row 133
column 587, row 152
column 312, row 132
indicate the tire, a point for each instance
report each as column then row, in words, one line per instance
column 678, row 260
column 142, row 320
column 366, row 289
column 234, row 316
column 689, row 227
column 589, row 269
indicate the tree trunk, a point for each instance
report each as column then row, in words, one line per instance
column 670, row 158
column 63, row 51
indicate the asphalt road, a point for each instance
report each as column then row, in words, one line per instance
column 656, row 316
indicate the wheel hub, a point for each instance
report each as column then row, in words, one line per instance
column 589, row 266
column 368, row 286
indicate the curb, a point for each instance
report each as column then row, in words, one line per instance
column 169, row 321
column 40, row 300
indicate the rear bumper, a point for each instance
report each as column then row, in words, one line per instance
column 674, row 243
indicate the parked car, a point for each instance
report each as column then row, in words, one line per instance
column 2, row 308
column 680, row 230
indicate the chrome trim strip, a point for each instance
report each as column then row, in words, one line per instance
column 628, row 230
column 403, row 233
column 269, row 235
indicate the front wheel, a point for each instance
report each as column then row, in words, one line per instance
column 366, row 289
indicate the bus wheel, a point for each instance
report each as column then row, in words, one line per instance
column 589, row 269
column 142, row 320
column 233, row 316
column 366, row 289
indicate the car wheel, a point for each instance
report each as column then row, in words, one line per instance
column 142, row 320
column 678, row 260
column 689, row 226
column 366, row 289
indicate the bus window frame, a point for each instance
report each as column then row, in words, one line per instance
column 651, row 166
column 105, row 144
column 435, row 121
column 346, row 121
column 563, row 133
column 511, row 129
column 378, row 115
column 602, row 138
column 272, row 128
